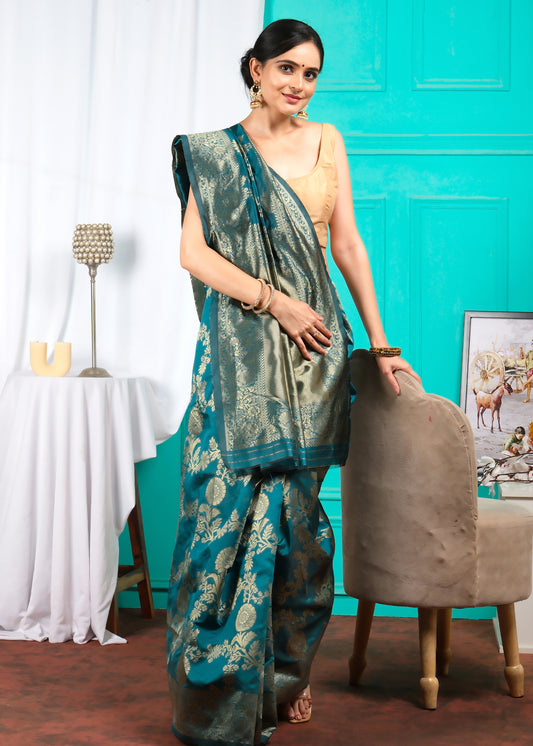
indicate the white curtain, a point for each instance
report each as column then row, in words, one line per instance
column 91, row 94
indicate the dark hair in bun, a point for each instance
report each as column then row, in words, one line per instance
column 278, row 37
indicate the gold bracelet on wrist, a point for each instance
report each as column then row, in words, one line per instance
column 269, row 301
column 249, row 306
column 386, row 351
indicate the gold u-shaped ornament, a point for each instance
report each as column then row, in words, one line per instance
column 62, row 359
column 302, row 114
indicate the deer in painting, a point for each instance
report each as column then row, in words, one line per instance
column 492, row 401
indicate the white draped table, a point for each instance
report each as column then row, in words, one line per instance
column 67, row 485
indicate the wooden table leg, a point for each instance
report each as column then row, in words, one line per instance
column 137, row 573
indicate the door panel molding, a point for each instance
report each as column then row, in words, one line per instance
column 448, row 54
column 451, row 144
column 478, row 247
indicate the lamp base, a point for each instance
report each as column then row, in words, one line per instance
column 94, row 373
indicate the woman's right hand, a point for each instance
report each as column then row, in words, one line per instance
column 303, row 325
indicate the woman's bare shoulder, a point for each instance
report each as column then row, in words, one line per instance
column 307, row 124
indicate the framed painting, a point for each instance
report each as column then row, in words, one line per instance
column 497, row 396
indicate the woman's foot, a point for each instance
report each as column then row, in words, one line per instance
column 298, row 710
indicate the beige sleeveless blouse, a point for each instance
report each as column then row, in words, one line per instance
column 317, row 190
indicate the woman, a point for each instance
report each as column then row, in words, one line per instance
column 251, row 585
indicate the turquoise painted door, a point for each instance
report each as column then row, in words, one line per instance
column 434, row 99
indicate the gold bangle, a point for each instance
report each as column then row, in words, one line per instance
column 269, row 301
column 249, row 306
column 386, row 351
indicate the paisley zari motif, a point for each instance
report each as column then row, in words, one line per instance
column 251, row 585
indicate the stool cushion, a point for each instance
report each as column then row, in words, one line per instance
column 504, row 552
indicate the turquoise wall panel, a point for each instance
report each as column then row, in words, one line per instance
column 446, row 52
column 363, row 63
column 442, row 281
column 426, row 75
column 434, row 99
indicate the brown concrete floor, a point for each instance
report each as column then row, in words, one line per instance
column 65, row 695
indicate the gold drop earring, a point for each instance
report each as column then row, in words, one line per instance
column 256, row 100
column 302, row 114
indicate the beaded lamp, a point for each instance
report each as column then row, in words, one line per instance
column 93, row 245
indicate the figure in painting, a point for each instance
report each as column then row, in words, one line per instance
column 515, row 442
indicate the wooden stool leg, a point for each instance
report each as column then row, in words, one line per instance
column 363, row 623
column 136, row 574
column 514, row 672
column 444, row 651
column 112, row 617
column 140, row 559
column 427, row 630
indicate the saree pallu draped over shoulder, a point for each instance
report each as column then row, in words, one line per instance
column 251, row 586
column 274, row 409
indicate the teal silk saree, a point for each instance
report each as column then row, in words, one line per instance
column 273, row 407
column 251, row 587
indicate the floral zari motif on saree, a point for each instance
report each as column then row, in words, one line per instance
column 251, row 586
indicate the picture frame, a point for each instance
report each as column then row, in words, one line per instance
column 497, row 397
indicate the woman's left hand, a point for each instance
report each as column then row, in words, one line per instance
column 388, row 365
